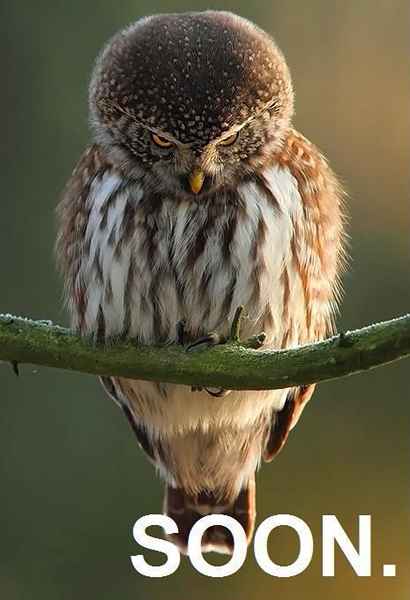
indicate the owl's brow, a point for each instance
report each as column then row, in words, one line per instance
column 273, row 103
column 104, row 102
column 124, row 111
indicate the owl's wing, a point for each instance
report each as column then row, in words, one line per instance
column 286, row 419
column 73, row 214
column 318, row 259
column 140, row 432
column 72, row 247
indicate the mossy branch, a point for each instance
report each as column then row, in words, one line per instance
column 232, row 365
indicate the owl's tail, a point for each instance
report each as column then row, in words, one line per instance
column 187, row 510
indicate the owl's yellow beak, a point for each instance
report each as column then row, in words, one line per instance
column 196, row 180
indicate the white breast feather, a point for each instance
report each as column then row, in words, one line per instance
column 185, row 410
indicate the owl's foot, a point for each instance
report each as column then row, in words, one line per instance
column 180, row 340
column 206, row 341
column 254, row 342
column 215, row 392
column 214, row 339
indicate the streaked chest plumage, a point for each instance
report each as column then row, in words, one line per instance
column 136, row 263
column 146, row 266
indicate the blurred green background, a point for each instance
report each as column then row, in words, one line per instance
column 72, row 478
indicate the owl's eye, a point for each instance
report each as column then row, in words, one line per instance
column 229, row 140
column 161, row 141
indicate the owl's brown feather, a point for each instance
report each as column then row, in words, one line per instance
column 319, row 235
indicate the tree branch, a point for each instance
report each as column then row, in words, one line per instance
column 230, row 366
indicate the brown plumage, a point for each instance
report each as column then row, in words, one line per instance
column 199, row 196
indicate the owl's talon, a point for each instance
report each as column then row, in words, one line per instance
column 197, row 388
column 206, row 341
column 255, row 342
column 202, row 343
column 215, row 339
column 217, row 392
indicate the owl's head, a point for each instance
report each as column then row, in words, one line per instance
column 191, row 101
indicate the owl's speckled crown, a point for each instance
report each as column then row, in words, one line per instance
column 193, row 75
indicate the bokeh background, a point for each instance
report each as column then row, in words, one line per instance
column 72, row 480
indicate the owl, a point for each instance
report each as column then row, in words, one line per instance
column 197, row 196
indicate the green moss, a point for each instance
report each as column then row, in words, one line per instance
column 232, row 365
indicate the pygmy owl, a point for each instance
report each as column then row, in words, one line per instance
column 198, row 196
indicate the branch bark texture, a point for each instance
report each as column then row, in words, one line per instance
column 230, row 366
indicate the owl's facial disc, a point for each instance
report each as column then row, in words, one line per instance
column 197, row 167
column 170, row 93
column 205, row 168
